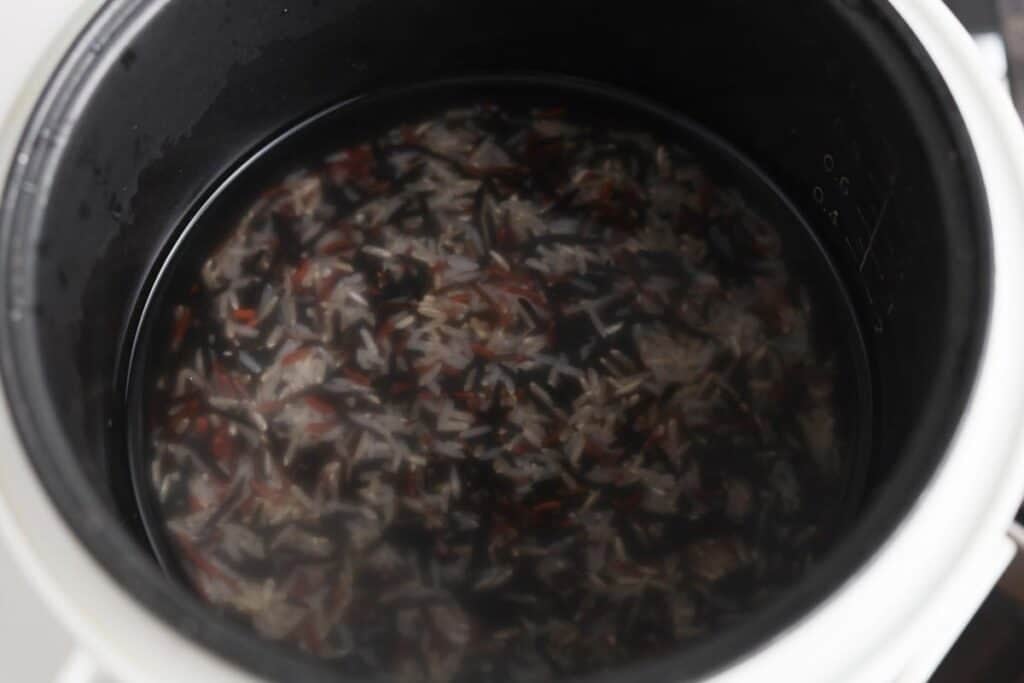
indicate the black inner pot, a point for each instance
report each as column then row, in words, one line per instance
column 158, row 100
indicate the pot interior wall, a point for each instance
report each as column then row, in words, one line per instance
column 159, row 100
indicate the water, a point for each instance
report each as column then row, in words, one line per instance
column 496, row 382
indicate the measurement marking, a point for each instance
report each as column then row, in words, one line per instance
column 874, row 231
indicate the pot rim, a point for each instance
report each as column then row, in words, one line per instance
column 982, row 472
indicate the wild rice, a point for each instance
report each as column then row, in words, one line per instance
column 500, row 392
